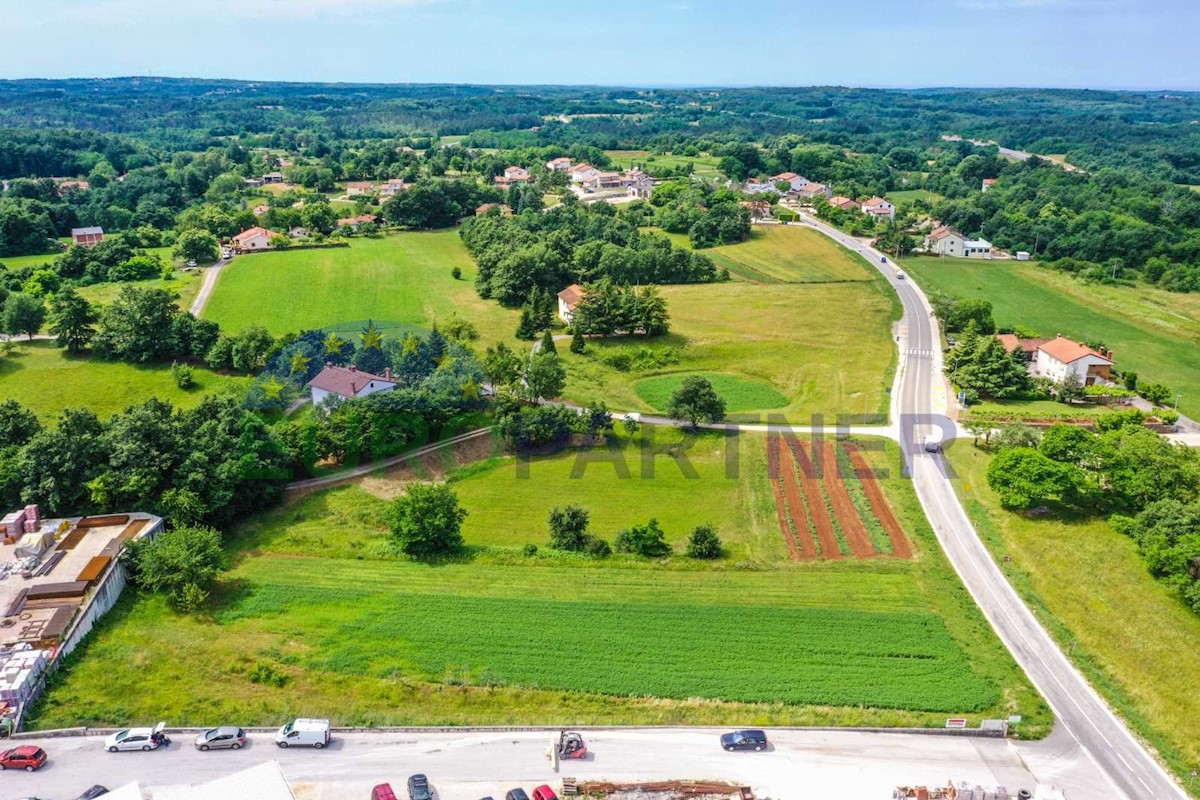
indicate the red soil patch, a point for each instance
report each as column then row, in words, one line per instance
column 792, row 491
column 843, row 507
column 773, row 474
column 816, row 503
column 901, row 548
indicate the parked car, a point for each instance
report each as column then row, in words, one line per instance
column 516, row 794
column 544, row 792
column 27, row 757
column 383, row 792
column 418, row 788
column 93, row 793
column 135, row 739
column 304, row 733
column 227, row 736
column 744, row 740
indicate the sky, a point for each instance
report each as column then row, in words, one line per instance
column 1123, row 44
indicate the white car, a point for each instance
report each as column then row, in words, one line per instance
column 135, row 739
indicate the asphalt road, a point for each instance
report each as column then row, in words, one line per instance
column 923, row 397
column 467, row 765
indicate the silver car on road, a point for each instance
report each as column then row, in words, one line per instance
column 227, row 736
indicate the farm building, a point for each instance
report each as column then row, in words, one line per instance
column 273, row 177
column 87, row 237
column 568, row 300
column 347, row 382
column 977, row 248
column 255, row 238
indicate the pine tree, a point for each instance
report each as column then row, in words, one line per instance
column 578, row 346
column 525, row 326
column 548, row 343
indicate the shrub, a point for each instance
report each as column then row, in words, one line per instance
column 1155, row 393
column 1167, row 416
column 184, row 377
column 427, row 520
column 180, row 563
column 456, row 273
column 704, row 542
column 643, row 540
column 568, row 527
column 530, row 549
column 598, row 547
column 267, row 675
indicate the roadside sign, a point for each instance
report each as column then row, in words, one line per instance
column 956, row 722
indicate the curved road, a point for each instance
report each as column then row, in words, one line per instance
column 921, row 405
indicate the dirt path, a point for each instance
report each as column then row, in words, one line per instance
column 206, row 288
column 816, row 503
column 773, row 474
column 901, row 547
column 843, row 507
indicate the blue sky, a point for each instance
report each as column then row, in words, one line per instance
column 1074, row 43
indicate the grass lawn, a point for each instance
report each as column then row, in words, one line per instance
column 404, row 278
column 17, row 262
column 1153, row 332
column 1136, row 641
column 739, row 394
column 906, row 196
column 316, row 619
column 791, row 338
column 1041, row 409
column 47, row 380
column 701, row 166
column 787, row 254
column 184, row 284
column 658, row 475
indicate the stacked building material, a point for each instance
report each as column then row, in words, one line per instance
column 19, row 672
column 13, row 525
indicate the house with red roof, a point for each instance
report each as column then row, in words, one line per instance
column 797, row 182
column 568, row 300
column 844, row 203
column 987, row 184
column 878, row 207
column 1059, row 357
column 255, row 238
column 347, row 382
column 812, row 189
column 354, row 222
column 560, row 164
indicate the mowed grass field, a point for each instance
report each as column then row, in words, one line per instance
column 826, row 348
column 702, row 166
column 739, row 394
column 787, row 254
column 1153, row 332
column 1133, row 638
column 17, row 262
column 46, row 380
column 403, row 278
column 341, row 629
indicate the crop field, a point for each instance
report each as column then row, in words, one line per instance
column 317, row 617
column 788, row 337
column 46, row 380
column 1153, row 332
column 403, row 278
column 827, row 503
column 789, row 254
column 1130, row 634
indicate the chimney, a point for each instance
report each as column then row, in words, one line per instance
column 328, row 364
column 353, row 368
column 387, row 373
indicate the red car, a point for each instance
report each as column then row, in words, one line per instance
column 26, row 757
column 544, row 792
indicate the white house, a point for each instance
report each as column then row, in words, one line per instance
column 878, row 207
column 945, row 241
column 516, row 173
column 811, row 189
column 255, row 238
column 797, row 182
column 568, row 301
column 1058, row 357
column 640, row 184
column 977, row 248
column 582, row 172
column 605, row 180
column 560, row 164
column 987, row 184
column 346, row 382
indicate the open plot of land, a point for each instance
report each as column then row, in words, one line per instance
column 404, row 278
column 739, row 394
column 792, row 338
column 701, row 166
column 907, row 196
column 316, row 618
column 1130, row 634
column 788, row 254
column 46, row 380
column 17, row 262
column 1153, row 332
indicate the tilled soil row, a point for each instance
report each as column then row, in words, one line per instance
column 816, row 503
column 901, row 547
column 773, row 475
column 791, row 488
column 843, row 507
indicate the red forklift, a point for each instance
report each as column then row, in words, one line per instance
column 571, row 746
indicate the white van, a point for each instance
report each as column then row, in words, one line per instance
column 304, row 733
